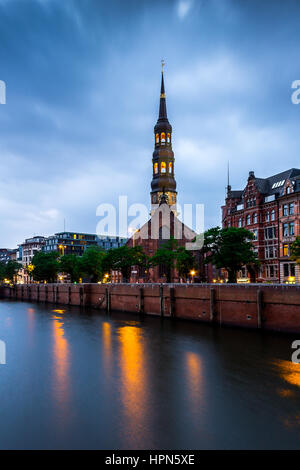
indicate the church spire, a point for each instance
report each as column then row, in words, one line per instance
column 162, row 103
column 163, row 184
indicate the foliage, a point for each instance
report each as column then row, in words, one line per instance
column 2, row 271
column 166, row 256
column 229, row 248
column 46, row 266
column 72, row 265
column 91, row 263
column 11, row 270
column 185, row 262
column 123, row 258
column 295, row 250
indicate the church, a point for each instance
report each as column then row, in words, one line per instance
column 163, row 223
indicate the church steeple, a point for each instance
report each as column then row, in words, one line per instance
column 162, row 103
column 163, row 180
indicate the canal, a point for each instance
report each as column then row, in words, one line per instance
column 88, row 380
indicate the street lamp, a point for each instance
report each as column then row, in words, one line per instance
column 192, row 273
column 62, row 248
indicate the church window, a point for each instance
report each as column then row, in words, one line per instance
column 168, row 137
column 170, row 167
column 163, row 137
column 156, row 138
column 155, row 168
column 163, row 167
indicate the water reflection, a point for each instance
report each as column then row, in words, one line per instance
column 61, row 362
column 289, row 371
column 134, row 383
column 107, row 347
column 194, row 379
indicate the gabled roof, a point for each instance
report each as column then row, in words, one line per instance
column 273, row 184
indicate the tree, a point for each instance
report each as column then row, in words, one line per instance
column 166, row 256
column 123, row 258
column 91, row 263
column 185, row 261
column 295, row 250
column 229, row 248
column 72, row 265
column 2, row 271
column 46, row 266
column 11, row 270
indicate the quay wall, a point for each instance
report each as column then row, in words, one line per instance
column 270, row 307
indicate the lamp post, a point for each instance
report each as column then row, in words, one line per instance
column 192, row 273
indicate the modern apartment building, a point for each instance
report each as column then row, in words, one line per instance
column 75, row 243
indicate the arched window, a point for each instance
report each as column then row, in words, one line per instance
column 168, row 137
column 170, row 167
column 255, row 218
column 273, row 214
column 155, row 168
column 163, row 137
column 248, row 219
column 163, row 167
column 156, row 138
column 267, row 216
column 240, row 222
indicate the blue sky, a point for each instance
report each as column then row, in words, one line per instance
column 83, row 80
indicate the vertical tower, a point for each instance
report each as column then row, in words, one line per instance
column 163, row 180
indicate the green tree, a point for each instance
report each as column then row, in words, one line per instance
column 91, row 263
column 2, row 271
column 11, row 270
column 166, row 256
column 72, row 265
column 185, row 261
column 295, row 250
column 46, row 266
column 229, row 248
column 123, row 258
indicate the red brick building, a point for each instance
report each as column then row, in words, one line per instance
column 270, row 208
column 163, row 223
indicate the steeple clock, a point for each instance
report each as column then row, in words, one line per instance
column 163, row 180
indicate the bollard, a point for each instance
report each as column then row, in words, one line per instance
column 259, row 308
column 107, row 295
column 212, row 304
column 141, row 300
column 161, row 295
column 172, row 302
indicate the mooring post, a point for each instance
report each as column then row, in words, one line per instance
column 141, row 300
column 259, row 307
column 69, row 295
column 161, row 295
column 22, row 291
column 107, row 295
column 212, row 304
column 38, row 292
column 81, row 296
column 46, row 293
column 172, row 302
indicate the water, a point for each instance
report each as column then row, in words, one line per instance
column 87, row 380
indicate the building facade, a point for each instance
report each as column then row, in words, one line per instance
column 66, row 243
column 270, row 208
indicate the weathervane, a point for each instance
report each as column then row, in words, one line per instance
column 162, row 65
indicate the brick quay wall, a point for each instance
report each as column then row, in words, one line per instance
column 270, row 307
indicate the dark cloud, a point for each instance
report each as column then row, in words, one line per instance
column 82, row 82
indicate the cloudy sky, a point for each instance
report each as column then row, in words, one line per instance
column 83, row 80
